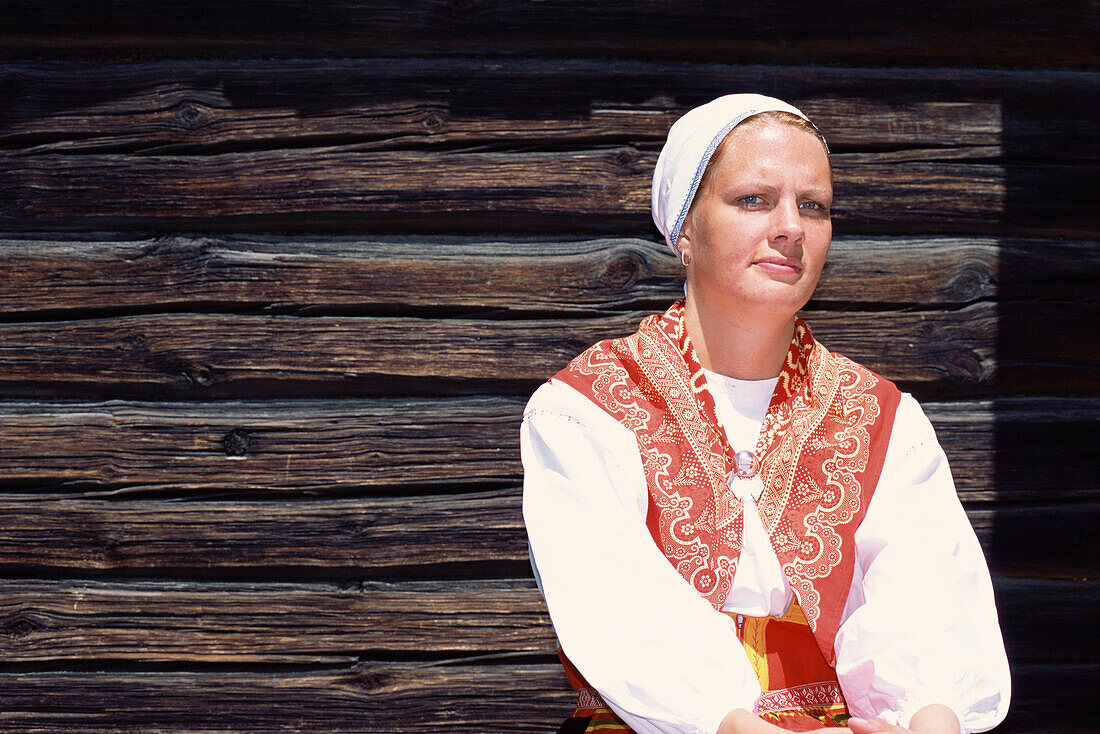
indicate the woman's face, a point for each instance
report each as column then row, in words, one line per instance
column 759, row 228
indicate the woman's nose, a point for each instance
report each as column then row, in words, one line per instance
column 787, row 224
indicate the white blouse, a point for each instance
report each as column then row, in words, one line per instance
column 919, row 627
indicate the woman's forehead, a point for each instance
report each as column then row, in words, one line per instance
column 774, row 150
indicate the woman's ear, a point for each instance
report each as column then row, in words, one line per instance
column 683, row 244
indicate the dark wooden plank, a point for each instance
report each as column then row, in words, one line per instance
column 370, row 697
column 318, row 188
column 346, row 446
column 313, row 539
column 217, row 622
column 1048, row 698
column 923, row 32
column 933, row 270
column 212, row 106
column 54, row 275
column 984, row 348
column 473, row 534
column 1066, row 533
column 396, row 697
column 333, row 446
column 970, row 351
column 284, row 623
column 1044, row 621
column 1019, row 449
column 596, row 189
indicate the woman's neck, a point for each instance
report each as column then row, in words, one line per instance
column 737, row 345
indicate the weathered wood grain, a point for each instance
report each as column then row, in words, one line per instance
column 1010, row 33
column 376, row 104
column 188, row 623
column 322, row 539
column 393, row 697
column 320, row 187
column 526, row 276
column 345, row 446
column 596, row 189
column 313, row 445
column 966, row 352
column 271, row 623
column 338, row 540
column 1027, row 449
column 369, row 697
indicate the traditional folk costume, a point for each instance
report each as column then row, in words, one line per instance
column 831, row 572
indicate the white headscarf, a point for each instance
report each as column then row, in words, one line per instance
column 691, row 143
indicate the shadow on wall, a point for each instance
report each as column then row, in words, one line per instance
column 1043, row 540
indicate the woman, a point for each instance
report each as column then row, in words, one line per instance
column 736, row 530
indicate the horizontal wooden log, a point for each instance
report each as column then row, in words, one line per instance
column 966, row 352
column 350, row 275
column 394, row 697
column 187, row 623
column 314, row 540
column 371, row 697
column 191, row 623
column 335, row 446
column 375, row 104
column 1047, row 621
column 347, row 446
column 598, row 189
column 923, row 32
column 1041, row 693
column 1018, row 449
column 1066, row 531
column 475, row 534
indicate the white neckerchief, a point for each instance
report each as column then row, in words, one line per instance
column 741, row 406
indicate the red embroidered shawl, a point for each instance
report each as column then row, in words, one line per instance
column 820, row 453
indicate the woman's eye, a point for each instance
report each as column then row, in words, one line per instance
column 813, row 206
column 752, row 200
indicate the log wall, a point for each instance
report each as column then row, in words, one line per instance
column 278, row 278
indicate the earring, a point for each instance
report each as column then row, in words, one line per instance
column 685, row 259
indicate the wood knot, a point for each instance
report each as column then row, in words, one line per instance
column 199, row 374
column 188, row 116
column 236, row 442
column 137, row 342
column 965, row 365
column 20, row 626
column 623, row 271
column 370, row 680
column 970, row 283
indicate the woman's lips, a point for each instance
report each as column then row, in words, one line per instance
column 780, row 265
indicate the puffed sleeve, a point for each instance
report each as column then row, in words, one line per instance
column 658, row 653
column 920, row 626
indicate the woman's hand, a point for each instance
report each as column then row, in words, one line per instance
column 740, row 721
column 934, row 719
